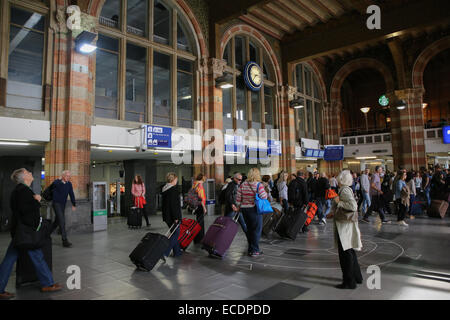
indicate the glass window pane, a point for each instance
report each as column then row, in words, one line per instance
column 316, row 89
column 240, row 52
column 299, row 76
column 183, row 35
column 227, row 53
column 161, row 89
column 318, row 121
column 227, row 96
column 309, row 118
column 110, row 15
column 256, row 110
column 107, row 43
column 268, row 105
column 185, row 113
column 308, row 75
column 106, row 82
column 254, row 53
column 27, row 19
column 26, row 52
column 161, row 29
column 137, row 17
column 301, row 122
column 241, row 105
column 136, row 83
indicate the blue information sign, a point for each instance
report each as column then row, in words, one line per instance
column 234, row 143
column 446, row 134
column 274, row 147
column 160, row 137
column 314, row 153
column 334, row 153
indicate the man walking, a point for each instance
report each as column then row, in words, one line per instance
column 323, row 205
column 365, row 189
column 376, row 195
column 298, row 192
column 61, row 189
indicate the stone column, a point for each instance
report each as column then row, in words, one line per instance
column 332, row 134
column 408, row 138
column 287, row 129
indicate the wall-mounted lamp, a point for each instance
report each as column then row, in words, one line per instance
column 400, row 104
column 225, row 81
column 297, row 103
column 83, row 43
column 424, row 105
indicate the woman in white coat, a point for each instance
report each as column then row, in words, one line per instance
column 346, row 231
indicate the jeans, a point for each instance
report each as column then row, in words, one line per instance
column 241, row 221
column 323, row 212
column 427, row 194
column 285, row 205
column 174, row 244
column 253, row 220
column 366, row 202
column 60, row 220
column 37, row 257
column 412, row 198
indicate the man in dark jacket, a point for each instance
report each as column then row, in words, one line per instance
column 61, row 189
column 230, row 200
column 25, row 207
column 171, row 211
column 298, row 191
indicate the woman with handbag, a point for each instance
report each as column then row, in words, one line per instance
column 25, row 221
column 200, row 211
column 346, row 231
column 138, row 192
column 245, row 200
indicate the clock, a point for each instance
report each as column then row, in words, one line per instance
column 253, row 76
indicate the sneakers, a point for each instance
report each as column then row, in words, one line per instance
column 385, row 222
column 6, row 296
column 324, row 220
column 402, row 223
column 321, row 223
column 256, row 254
column 53, row 288
column 67, row 244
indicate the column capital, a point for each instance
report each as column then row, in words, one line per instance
column 288, row 91
column 212, row 66
column 410, row 94
column 87, row 22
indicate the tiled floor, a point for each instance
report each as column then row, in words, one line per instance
column 414, row 262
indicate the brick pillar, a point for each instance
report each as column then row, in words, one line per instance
column 332, row 134
column 287, row 129
column 71, row 112
column 408, row 139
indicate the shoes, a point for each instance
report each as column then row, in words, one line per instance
column 256, row 254
column 324, row 220
column 321, row 223
column 365, row 220
column 6, row 296
column 402, row 223
column 345, row 286
column 359, row 281
column 385, row 222
column 412, row 217
column 67, row 244
column 53, row 288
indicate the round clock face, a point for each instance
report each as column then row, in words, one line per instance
column 253, row 76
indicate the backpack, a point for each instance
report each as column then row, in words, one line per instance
column 192, row 199
column 48, row 192
column 275, row 193
column 222, row 196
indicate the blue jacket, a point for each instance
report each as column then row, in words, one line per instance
column 60, row 192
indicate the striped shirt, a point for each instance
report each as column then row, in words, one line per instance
column 245, row 197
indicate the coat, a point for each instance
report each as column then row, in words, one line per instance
column 24, row 208
column 171, row 205
column 348, row 231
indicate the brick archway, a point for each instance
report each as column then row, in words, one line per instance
column 252, row 32
column 347, row 69
column 95, row 8
column 424, row 58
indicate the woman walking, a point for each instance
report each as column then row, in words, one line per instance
column 346, row 232
column 402, row 197
column 200, row 211
column 283, row 191
column 171, row 211
column 138, row 192
column 245, row 200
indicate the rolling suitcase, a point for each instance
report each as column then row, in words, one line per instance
column 151, row 249
column 292, row 222
column 25, row 271
column 270, row 220
column 220, row 235
column 189, row 229
column 135, row 218
column 310, row 212
column 438, row 209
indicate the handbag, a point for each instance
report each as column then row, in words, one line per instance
column 345, row 215
column 330, row 194
column 28, row 238
column 262, row 205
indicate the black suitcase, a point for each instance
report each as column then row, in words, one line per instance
column 135, row 218
column 151, row 249
column 270, row 221
column 292, row 222
column 25, row 271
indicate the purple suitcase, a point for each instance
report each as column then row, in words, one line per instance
column 220, row 235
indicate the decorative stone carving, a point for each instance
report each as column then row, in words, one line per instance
column 87, row 22
column 212, row 66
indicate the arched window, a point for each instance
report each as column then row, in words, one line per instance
column 243, row 108
column 308, row 116
column 145, row 63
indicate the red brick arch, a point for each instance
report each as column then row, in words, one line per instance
column 347, row 69
column 255, row 34
column 95, row 7
column 425, row 57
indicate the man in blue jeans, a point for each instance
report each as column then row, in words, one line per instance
column 230, row 200
column 25, row 208
column 61, row 189
column 365, row 189
column 323, row 205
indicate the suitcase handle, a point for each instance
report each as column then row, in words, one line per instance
column 170, row 232
column 236, row 217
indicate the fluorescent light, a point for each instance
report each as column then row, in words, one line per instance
column 115, row 148
column 226, row 85
column 299, row 107
column 87, row 48
column 9, row 143
column 365, row 158
column 186, row 98
column 401, row 107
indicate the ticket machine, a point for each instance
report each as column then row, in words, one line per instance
column 99, row 206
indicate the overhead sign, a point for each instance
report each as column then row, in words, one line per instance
column 314, row 153
column 160, row 137
column 334, row 153
column 446, row 134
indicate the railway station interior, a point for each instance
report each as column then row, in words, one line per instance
column 312, row 73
